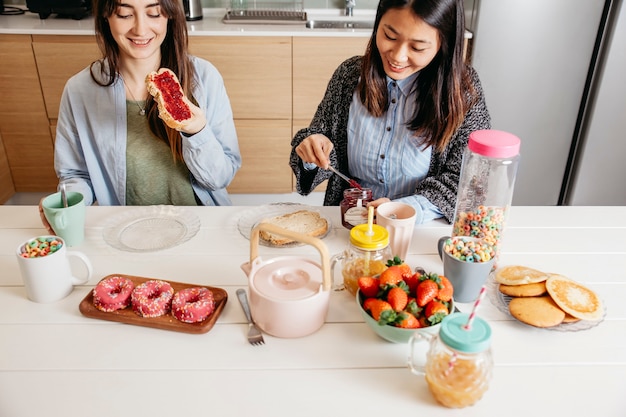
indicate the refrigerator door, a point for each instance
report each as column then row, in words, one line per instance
column 599, row 174
column 532, row 57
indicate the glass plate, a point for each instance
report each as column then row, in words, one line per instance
column 151, row 228
column 501, row 302
column 252, row 217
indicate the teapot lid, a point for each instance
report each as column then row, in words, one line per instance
column 287, row 279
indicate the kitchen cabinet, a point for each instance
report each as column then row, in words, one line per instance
column 58, row 58
column 6, row 180
column 314, row 61
column 256, row 72
column 24, row 124
column 257, row 76
column 274, row 83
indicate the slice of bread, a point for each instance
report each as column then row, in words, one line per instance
column 305, row 222
column 164, row 86
column 518, row 275
column 574, row 298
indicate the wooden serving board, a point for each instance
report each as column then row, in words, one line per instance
column 165, row 322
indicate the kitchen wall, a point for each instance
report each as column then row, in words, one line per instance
column 308, row 4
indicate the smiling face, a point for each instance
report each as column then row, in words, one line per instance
column 406, row 43
column 139, row 28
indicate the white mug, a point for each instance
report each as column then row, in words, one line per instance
column 399, row 220
column 49, row 278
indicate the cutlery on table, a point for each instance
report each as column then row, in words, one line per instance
column 255, row 337
column 349, row 180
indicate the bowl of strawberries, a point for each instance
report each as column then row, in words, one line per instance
column 399, row 302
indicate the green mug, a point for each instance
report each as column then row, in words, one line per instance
column 67, row 222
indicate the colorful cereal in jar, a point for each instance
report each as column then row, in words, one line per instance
column 40, row 247
column 484, row 222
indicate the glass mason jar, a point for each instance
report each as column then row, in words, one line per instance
column 486, row 185
column 366, row 256
column 354, row 206
column 459, row 363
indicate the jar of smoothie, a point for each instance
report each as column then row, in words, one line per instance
column 366, row 256
column 354, row 206
column 459, row 362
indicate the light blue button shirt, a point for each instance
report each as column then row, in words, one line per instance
column 90, row 147
column 384, row 155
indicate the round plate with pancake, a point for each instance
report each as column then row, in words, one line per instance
column 501, row 302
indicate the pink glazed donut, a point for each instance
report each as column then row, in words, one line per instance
column 193, row 305
column 152, row 298
column 112, row 293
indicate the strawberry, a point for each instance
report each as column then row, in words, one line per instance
column 367, row 304
column 390, row 276
column 412, row 307
column 368, row 286
column 397, row 298
column 407, row 321
column 380, row 310
column 412, row 282
column 405, row 268
column 427, row 290
column 436, row 311
column 445, row 289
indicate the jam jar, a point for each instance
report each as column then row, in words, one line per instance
column 367, row 255
column 354, row 206
column 459, row 363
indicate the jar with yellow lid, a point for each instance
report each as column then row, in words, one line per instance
column 459, row 362
column 367, row 255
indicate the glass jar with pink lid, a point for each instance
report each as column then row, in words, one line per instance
column 486, row 185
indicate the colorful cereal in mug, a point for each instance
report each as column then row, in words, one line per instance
column 469, row 250
column 40, row 247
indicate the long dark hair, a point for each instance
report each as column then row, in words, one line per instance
column 174, row 56
column 442, row 86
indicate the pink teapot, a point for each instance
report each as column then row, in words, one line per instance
column 289, row 296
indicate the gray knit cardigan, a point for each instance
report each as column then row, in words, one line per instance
column 331, row 119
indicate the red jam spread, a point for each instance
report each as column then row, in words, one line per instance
column 172, row 96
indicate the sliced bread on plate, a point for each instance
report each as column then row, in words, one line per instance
column 305, row 222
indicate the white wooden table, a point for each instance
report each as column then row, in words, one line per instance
column 54, row 361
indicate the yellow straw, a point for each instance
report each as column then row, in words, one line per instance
column 370, row 220
column 370, row 232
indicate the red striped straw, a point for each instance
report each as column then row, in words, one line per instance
column 467, row 326
column 470, row 320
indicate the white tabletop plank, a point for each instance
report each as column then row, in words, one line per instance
column 514, row 392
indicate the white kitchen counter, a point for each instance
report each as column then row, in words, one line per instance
column 211, row 25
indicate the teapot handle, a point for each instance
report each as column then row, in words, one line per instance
column 299, row 237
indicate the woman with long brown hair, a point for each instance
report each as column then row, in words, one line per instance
column 112, row 146
column 398, row 118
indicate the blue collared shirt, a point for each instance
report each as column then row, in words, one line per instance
column 385, row 155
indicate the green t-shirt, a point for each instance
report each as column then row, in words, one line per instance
column 152, row 175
